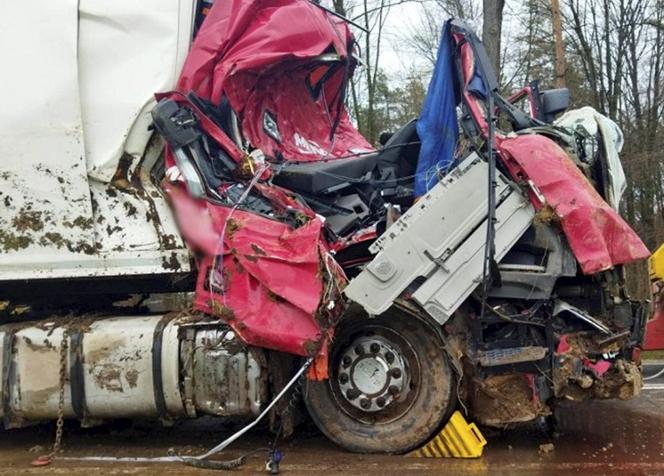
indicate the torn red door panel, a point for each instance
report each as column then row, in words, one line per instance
column 598, row 236
column 273, row 283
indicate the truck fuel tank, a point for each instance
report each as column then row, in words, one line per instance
column 126, row 367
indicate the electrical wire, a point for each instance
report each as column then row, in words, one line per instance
column 222, row 465
column 219, row 251
column 508, row 318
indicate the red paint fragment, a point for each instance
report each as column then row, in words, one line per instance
column 319, row 368
column 563, row 345
column 599, row 368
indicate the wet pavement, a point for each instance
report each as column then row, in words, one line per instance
column 594, row 438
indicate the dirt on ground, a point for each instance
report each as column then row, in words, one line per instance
column 593, row 438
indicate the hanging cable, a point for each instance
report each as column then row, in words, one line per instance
column 219, row 251
column 652, row 377
column 490, row 245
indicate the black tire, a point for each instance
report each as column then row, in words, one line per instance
column 413, row 415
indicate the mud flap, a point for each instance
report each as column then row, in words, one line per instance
column 458, row 439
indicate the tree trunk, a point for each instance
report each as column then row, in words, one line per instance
column 558, row 41
column 491, row 31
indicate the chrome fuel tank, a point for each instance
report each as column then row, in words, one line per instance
column 127, row 367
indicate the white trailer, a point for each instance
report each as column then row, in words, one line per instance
column 76, row 190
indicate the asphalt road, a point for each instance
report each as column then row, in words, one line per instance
column 601, row 437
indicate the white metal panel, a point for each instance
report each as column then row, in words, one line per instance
column 135, row 218
column 116, row 263
column 45, row 210
column 128, row 51
column 53, row 222
column 441, row 240
column 428, row 232
column 454, row 279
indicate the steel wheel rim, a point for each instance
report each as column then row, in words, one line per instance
column 394, row 405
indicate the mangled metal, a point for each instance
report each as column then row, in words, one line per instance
column 336, row 194
column 499, row 252
column 438, row 244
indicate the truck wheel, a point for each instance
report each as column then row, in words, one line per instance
column 390, row 386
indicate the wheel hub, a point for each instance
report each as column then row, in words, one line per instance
column 371, row 374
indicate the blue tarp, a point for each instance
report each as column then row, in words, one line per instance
column 437, row 126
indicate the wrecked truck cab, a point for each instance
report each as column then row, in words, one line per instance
column 410, row 278
column 508, row 250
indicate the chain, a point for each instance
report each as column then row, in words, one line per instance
column 296, row 393
column 64, row 348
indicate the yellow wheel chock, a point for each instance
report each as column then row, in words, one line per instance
column 458, row 439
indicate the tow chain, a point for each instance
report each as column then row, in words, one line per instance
column 59, row 424
column 275, row 456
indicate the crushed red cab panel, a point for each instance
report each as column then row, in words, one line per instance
column 264, row 277
column 599, row 238
column 239, row 39
column 271, row 281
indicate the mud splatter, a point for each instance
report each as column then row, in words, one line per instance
column 131, row 209
column 258, row 250
column 225, row 312
column 27, row 219
column 171, row 263
column 85, row 223
column 546, row 215
column 13, row 242
column 132, row 377
column 231, row 227
column 107, row 377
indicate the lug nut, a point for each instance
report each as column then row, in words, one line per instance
column 380, row 401
column 389, row 357
column 346, row 361
column 364, row 403
column 393, row 389
column 352, row 393
column 396, row 373
column 375, row 348
column 343, row 378
column 359, row 350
